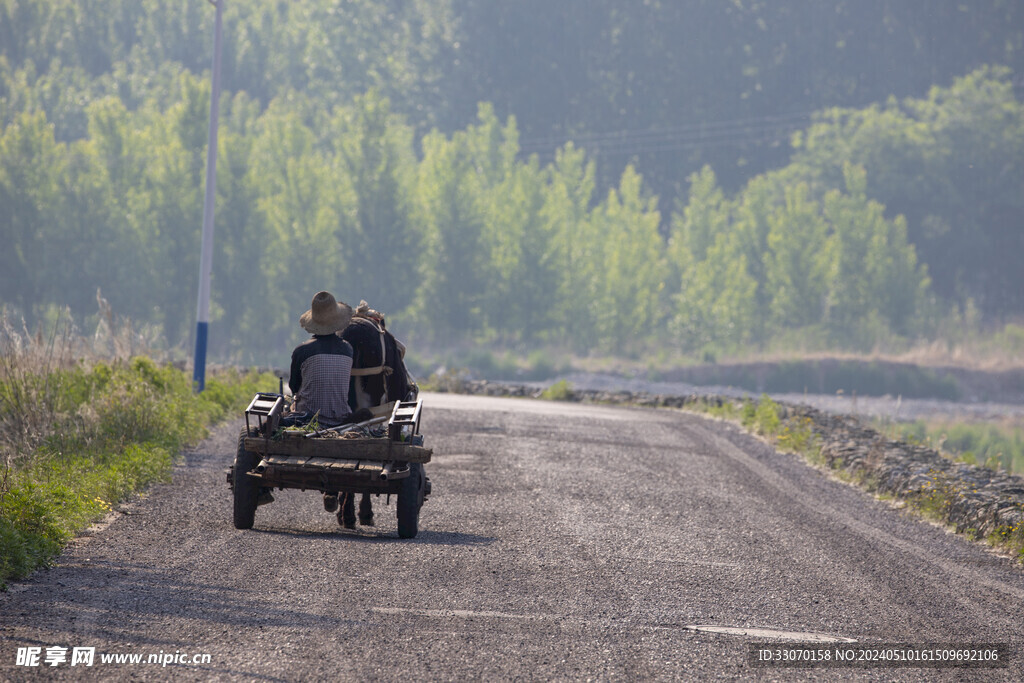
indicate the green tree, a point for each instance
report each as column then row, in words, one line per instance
column 697, row 225
column 634, row 266
column 166, row 209
column 238, row 314
column 575, row 249
column 31, row 165
column 951, row 164
column 373, row 149
column 453, row 177
column 717, row 304
column 875, row 275
column 299, row 204
column 751, row 225
column 522, row 272
column 694, row 228
column 798, row 261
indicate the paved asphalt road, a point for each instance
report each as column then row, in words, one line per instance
column 562, row 542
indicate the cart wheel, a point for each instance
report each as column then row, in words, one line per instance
column 410, row 498
column 246, row 488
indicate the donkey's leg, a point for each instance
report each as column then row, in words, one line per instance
column 365, row 510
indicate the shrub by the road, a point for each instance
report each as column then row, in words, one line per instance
column 77, row 438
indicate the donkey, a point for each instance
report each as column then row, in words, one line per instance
column 378, row 371
column 378, row 378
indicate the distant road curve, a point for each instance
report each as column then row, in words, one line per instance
column 885, row 407
column 563, row 542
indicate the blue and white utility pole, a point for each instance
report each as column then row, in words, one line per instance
column 206, row 255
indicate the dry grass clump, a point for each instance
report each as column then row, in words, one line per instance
column 29, row 374
column 84, row 422
column 34, row 367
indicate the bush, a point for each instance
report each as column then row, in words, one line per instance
column 559, row 391
column 761, row 416
column 112, row 430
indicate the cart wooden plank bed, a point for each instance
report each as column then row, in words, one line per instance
column 348, row 459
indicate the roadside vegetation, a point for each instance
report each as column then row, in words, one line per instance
column 80, row 433
column 996, row 445
column 764, row 418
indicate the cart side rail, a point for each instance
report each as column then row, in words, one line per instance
column 378, row 450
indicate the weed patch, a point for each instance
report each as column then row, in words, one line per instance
column 559, row 391
column 768, row 419
column 96, row 435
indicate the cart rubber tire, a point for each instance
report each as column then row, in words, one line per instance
column 246, row 488
column 410, row 499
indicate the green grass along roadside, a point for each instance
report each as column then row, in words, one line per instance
column 111, row 430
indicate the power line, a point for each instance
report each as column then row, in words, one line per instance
column 690, row 136
column 686, row 128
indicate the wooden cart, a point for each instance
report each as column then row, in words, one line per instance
column 330, row 460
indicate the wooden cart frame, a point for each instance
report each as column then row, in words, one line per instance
column 269, row 457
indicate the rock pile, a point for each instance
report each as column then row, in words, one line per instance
column 976, row 500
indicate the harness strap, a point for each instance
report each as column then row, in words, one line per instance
column 363, row 372
column 380, row 369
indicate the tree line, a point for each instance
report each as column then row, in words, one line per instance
column 346, row 161
column 460, row 239
column 594, row 70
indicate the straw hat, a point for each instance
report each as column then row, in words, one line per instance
column 326, row 315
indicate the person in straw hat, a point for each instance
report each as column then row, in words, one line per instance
column 322, row 365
